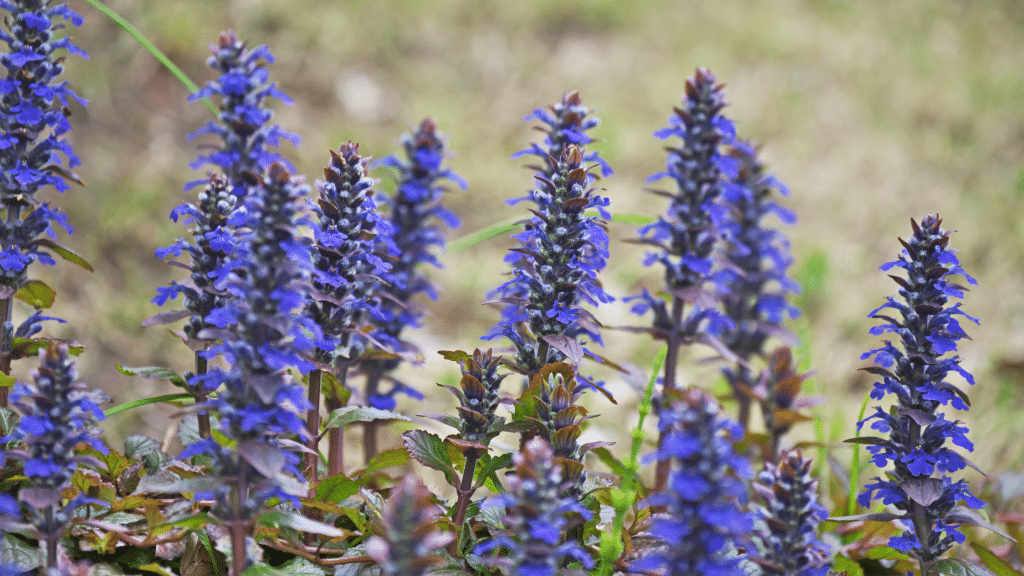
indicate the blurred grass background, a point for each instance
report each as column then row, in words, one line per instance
column 872, row 112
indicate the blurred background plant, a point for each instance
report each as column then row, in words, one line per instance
column 870, row 112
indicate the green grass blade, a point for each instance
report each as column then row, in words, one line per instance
column 851, row 502
column 622, row 499
column 152, row 49
column 474, row 238
column 147, row 401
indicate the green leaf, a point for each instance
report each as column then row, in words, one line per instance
column 430, row 451
column 146, row 402
column 37, row 294
column 145, row 448
column 956, row 567
column 386, row 459
column 152, row 49
column 613, row 463
column 19, row 555
column 153, row 373
column 993, row 562
column 632, row 219
column 349, row 414
column 336, row 488
column 6, row 381
column 491, row 465
column 851, row 498
column 455, row 355
column 65, row 253
column 301, row 567
column 8, row 420
column 297, row 521
column 843, row 564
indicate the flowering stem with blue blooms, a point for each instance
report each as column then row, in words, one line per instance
column 33, row 120
column 915, row 373
column 247, row 134
column 417, row 220
column 346, row 275
column 555, row 270
column 262, row 334
column 58, row 414
column 686, row 236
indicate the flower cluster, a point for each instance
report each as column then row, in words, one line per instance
column 790, row 513
column 58, row 415
column 686, row 236
column 243, row 124
column 567, row 124
column 210, row 254
column 417, row 220
column 262, row 335
column 345, row 266
column 33, row 122
column 702, row 501
column 756, row 280
column 537, row 517
column 406, row 539
column 478, row 395
column 562, row 251
column 915, row 373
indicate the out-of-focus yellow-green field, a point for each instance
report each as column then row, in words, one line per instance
column 872, row 112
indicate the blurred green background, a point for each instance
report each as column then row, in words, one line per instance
column 873, row 113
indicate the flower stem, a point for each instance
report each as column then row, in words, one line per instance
column 370, row 428
column 313, row 427
column 465, row 494
column 203, row 418
column 6, row 310
column 336, row 439
column 671, row 362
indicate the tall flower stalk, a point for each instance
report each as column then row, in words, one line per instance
column 757, row 286
column 262, row 335
column 34, row 152
column 58, row 415
column 247, row 137
column 687, row 234
column 346, row 276
column 554, row 272
column 418, row 220
column 562, row 251
column 915, row 371
column 790, row 515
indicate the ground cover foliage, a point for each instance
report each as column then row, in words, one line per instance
column 297, row 306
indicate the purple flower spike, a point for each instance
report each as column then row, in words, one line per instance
column 34, row 152
column 915, row 372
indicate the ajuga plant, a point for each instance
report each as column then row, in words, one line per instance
column 417, row 221
column 243, row 124
column 702, row 519
column 562, row 248
column 346, row 276
column 58, row 415
column 262, row 334
column 789, row 515
column 756, row 282
column 477, row 422
column 917, row 487
column 34, row 152
column 406, row 539
column 247, row 136
column 685, row 237
column 538, row 515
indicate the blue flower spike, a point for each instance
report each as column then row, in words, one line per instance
column 537, row 518
column 243, row 125
column 59, row 415
column 914, row 370
column 34, row 150
column 790, row 515
column 702, row 519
